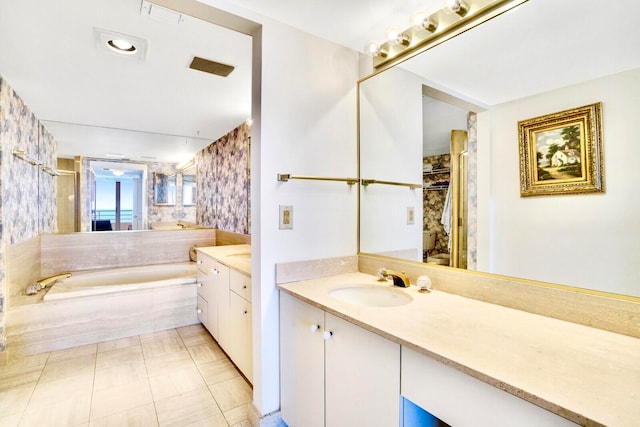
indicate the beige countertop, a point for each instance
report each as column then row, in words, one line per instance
column 237, row 257
column 587, row 375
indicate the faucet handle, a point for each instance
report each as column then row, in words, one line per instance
column 381, row 274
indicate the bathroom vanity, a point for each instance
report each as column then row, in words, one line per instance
column 224, row 300
column 464, row 361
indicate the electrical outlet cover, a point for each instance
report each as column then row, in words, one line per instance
column 286, row 217
column 411, row 215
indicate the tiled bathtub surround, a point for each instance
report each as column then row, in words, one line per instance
column 222, row 182
column 35, row 326
column 23, row 186
column 51, row 254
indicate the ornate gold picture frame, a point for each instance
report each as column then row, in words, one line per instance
column 561, row 153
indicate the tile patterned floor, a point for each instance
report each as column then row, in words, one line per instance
column 177, row 377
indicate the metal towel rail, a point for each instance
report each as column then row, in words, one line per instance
column 366, row 182
column 23, row 155
column 284, row 177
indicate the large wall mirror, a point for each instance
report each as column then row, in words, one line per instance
column 540, row 58
column 109, row 118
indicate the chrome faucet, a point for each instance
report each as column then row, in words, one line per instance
column 399, row 278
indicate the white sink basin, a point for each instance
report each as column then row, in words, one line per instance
column 371, row 296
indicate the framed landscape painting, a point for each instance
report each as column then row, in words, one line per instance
column 561, row 153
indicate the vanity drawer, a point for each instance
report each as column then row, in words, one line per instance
column 240, row 284
column 205, row 263
column 201, row 309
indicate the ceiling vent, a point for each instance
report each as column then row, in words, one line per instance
column 160, row 13
column 211, row 67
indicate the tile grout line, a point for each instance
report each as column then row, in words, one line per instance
column 93, row 384
column 146, row 368
column 204, row 380
column 24, row 411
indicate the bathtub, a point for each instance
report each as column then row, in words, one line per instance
column 122, row 279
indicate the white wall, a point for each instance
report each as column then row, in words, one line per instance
column 307, row 127
column 589, row 241
column 391, row 150
column 439, row 118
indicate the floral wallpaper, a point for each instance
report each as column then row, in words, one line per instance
column 434, row 196
column 22, row 185
column 47, row 186
column 222, row 182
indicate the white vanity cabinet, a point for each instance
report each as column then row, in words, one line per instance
column 333, row 372
column 224, row 308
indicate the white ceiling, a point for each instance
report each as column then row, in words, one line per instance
column 50, row 58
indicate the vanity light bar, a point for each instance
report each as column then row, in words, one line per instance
column 436, row 28
column 284, row 177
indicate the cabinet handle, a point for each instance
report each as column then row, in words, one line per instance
column 327, row 334
column 244, row 287
column 199, row 311
column 215, row 271
column 314, row 328
column 200, row 261
column 245, row 312
column 199, row 284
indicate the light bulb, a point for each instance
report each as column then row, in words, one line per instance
column 397, row 37
column 375, row 49
column 459, row 7
column 121, row 46
column 392, row 35
column 422, row 21
column 372, row 48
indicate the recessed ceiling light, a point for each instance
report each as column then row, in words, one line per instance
column 121, row 46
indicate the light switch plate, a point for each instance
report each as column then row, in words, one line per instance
column 286, row 217
column 411, row 215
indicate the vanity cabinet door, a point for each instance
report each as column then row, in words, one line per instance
column 240, row 346
column 219, row 304
column 302, row 363
column 362, row 376
column 334, row 371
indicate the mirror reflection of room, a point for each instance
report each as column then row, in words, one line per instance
column 439, row 119
column 117, row 196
